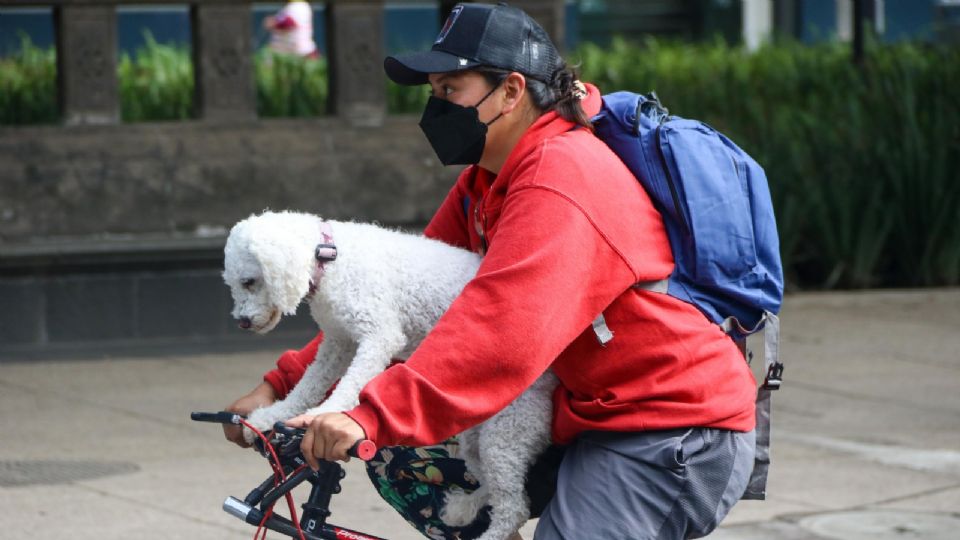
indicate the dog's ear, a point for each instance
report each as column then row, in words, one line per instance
column 286, row 271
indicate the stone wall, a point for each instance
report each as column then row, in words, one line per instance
column 186, row 178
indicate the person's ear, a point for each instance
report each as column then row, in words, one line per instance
column 513, row 86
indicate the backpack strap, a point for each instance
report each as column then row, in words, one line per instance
column 600, row 328
column 659, row 285
column 773, row 369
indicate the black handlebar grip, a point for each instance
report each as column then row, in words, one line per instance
column 363, row 449
column 281, row 428
column 222, row 417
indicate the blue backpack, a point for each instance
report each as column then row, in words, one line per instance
column 719, row 218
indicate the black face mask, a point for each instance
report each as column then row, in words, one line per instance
column 455, row 132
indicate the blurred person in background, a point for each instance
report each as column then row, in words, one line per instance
column 291, row 30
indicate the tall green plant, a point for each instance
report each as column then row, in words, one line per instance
column 156, row 82
column 28, row 85
column 289, row 85
column 917, row 128
column 406, row 99
column 862, row 163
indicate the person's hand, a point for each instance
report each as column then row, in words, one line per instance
column 261, row 396
column 328, row 436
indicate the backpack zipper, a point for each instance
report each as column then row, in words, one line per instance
column 673, row 188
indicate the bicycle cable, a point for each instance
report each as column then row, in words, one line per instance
column 278, row 478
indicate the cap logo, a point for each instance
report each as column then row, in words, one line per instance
column 454, row 13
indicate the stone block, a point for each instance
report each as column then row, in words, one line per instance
column 86, row 64
column 223, row 62
column 181, row 304
column 21, row 319
column 89, row 308
column 355, row 35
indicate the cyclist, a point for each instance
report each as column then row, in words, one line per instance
column 658, row 423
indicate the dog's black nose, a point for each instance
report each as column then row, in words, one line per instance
column 245, row 323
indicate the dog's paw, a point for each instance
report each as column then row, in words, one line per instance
column 249, row 435
column 262, row 419
column 461, row 508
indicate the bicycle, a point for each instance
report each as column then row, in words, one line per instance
column 281, row 447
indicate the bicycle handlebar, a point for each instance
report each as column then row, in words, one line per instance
column 363, row 448
column 222, row 417
column 282, row 445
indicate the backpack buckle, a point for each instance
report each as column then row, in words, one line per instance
column 774, row 377
column 653, row 109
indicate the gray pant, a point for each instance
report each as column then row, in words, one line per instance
column 636, row 486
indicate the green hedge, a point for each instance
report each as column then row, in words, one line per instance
column 863, row 162
column 156, row 83
column 28, row 86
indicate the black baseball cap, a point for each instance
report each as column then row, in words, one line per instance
column 474, row 35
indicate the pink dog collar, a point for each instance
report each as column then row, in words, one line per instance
column 325, row 252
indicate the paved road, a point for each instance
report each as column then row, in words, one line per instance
column 866, row 436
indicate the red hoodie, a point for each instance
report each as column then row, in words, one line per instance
column 567, row 231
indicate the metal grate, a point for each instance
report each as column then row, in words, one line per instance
column 31, row 473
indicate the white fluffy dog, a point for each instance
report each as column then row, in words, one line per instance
column 376, row 293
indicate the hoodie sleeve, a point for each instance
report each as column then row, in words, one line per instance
column 290, row 367
column 546, row 276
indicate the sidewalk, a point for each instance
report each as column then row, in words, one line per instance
column 866, row 440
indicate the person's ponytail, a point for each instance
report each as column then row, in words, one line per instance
column 569, row 92
column 562, row 93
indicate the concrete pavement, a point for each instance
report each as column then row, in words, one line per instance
column 866, row 439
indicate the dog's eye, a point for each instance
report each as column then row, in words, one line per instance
column 247, row 283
